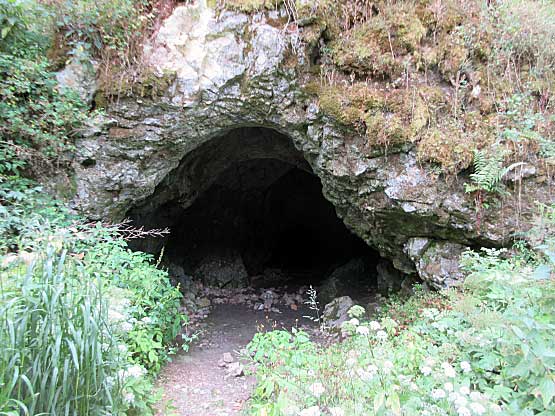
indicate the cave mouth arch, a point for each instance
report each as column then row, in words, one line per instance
column 245, row 209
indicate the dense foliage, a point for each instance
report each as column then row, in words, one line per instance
column 483, row 351
column 84, row 320
column 85, row 323
column 37, row 118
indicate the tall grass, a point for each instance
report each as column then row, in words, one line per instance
column 57, row 355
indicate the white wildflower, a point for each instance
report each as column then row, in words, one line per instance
column 438, row 394
column 381, row 335
column 426, row 370
column 404, row 380
column 464, row 390
column 429, row 361
column 449, row 370
column 363, row 330
column 146, row 320
column 372, row 369
column 364, row 375
column 351, row 362
column 453, row 396
column 126, row 326
column 122, row 348
column 476, row 396
column 336, row 411
column 448, row 387
column 115, row 316
column 430, row 313
column 477, row 408
column 311, row 411
column 129, row 397
column 461, row 401
column 463, row 411
column 465, row 367
column 413, row 386
column 495, row 408
column 387, row 367
column 134, row 371
column 375, row 326
column 354, row 322
column 353, row 353
column 317, row 389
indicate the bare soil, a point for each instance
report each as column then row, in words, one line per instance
column 194, row 383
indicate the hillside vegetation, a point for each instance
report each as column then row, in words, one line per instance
column 484, row 350
column 85, row 323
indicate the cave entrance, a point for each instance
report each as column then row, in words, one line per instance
column 245, row 209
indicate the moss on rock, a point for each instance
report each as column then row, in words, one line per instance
column 247, row 6
column 149, row 84
column 385, row 117
column 451, row 144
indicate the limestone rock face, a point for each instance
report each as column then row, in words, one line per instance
column 231, row 71
column 437, row 262
column 80, row 76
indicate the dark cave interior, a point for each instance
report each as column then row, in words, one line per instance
column 260, row 220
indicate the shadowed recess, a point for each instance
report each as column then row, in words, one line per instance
column 246, row 209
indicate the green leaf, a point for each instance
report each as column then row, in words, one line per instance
column 379, row 401
column 547, row 390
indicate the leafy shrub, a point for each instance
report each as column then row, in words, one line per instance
column 143, row 316
column 484, row 351
column 526, row 35
column 153, row 311
column 16, row 18
column 37, row 119
column 101, row 26
column 26, row 211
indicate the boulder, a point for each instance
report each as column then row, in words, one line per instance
column 223, row 271
column 179, row 277
column 344, row 280
column 335, row 312
column 79, row 75
column 437, row 262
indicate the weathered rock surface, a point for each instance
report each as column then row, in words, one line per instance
column 335, row 312
column 223, row 271
column 234, row 71
column 80, row 76
column 344, row 280
column 389, row 279
column 437, row 262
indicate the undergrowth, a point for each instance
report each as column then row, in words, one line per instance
column 484, row 350
column 85, row 321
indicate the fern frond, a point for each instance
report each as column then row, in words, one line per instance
column 489, row 172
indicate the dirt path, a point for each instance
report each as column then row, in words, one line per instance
column 196, row 385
